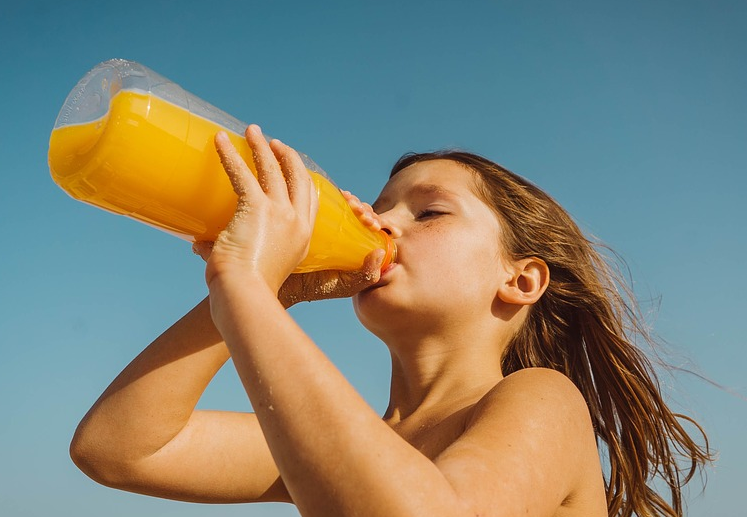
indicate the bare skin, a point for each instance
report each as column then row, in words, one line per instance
column 458, row 439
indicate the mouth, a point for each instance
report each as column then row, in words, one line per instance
column 383, row 278
column 387, row 269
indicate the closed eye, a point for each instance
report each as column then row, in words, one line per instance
column 428, row 213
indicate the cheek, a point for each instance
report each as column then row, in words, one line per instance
column 468, row 263
column 468, row 250
column 459, row 271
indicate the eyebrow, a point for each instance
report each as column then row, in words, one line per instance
column 419, row 190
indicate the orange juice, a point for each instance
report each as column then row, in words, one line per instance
column 155, row 161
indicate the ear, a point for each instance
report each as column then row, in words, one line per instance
column 527, row 281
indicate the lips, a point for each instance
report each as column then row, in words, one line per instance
column 387, row 269
column 383, row 278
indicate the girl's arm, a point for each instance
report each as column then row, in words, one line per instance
column 517, row 456
column 528, row 448
column 144, row 435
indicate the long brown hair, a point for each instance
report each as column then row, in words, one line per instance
column 586, row 326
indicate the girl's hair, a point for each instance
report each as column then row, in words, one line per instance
column 585, row 326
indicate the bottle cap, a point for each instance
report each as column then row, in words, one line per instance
column 391, row 251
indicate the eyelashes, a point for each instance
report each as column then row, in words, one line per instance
column 418, row 215
column 428, row 214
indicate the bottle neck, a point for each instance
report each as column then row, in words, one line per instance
column 391, row 251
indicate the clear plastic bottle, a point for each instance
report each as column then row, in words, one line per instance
column 130, row 141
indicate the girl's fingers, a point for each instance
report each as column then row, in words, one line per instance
column 367, row 208
column 352, row 199
column 372, row 221
column 297, row 178
column 242, row 179
column 269, row 174
column 363, row 211
column 313, row 202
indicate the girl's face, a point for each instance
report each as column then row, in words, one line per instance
column 449, row 260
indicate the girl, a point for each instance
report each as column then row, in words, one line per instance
column 511, row 362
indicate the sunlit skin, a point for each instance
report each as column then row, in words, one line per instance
column 441, row 308
column 458, row 438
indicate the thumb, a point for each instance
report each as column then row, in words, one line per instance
column 348, row 283
column 370, row 272
column 203, row 249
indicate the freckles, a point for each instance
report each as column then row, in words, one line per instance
column 436, row 226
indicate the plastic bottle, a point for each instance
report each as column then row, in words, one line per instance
column 130, row 141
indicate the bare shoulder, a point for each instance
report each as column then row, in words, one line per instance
column 533, row 429
column 537, row 393
column 539, row 405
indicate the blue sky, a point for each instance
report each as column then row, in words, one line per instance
column 632, row 114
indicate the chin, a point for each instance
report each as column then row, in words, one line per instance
column 374, row 311
column 383, row 317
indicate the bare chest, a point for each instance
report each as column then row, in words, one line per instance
column 432, row 436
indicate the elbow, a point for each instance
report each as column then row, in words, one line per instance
column 96, row 460
column 88, row 457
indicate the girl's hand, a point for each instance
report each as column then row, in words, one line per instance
column 270, row 231
column 297, row 287
column 323, row 285
column 363, row 211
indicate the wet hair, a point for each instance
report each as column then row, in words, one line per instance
column 586, row 325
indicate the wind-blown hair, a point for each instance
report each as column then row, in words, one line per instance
column 585, row 325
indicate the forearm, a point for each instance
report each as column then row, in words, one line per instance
column 154, row 396
column 333, row 451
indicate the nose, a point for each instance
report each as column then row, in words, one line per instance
column 389, row 224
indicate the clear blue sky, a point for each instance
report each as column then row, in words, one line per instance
column 632, row 114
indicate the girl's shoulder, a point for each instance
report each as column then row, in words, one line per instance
column 532, row 429
column 536, row 396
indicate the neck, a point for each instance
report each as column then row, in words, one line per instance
column 437, row 374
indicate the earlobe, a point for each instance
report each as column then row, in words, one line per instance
column 527, row 283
